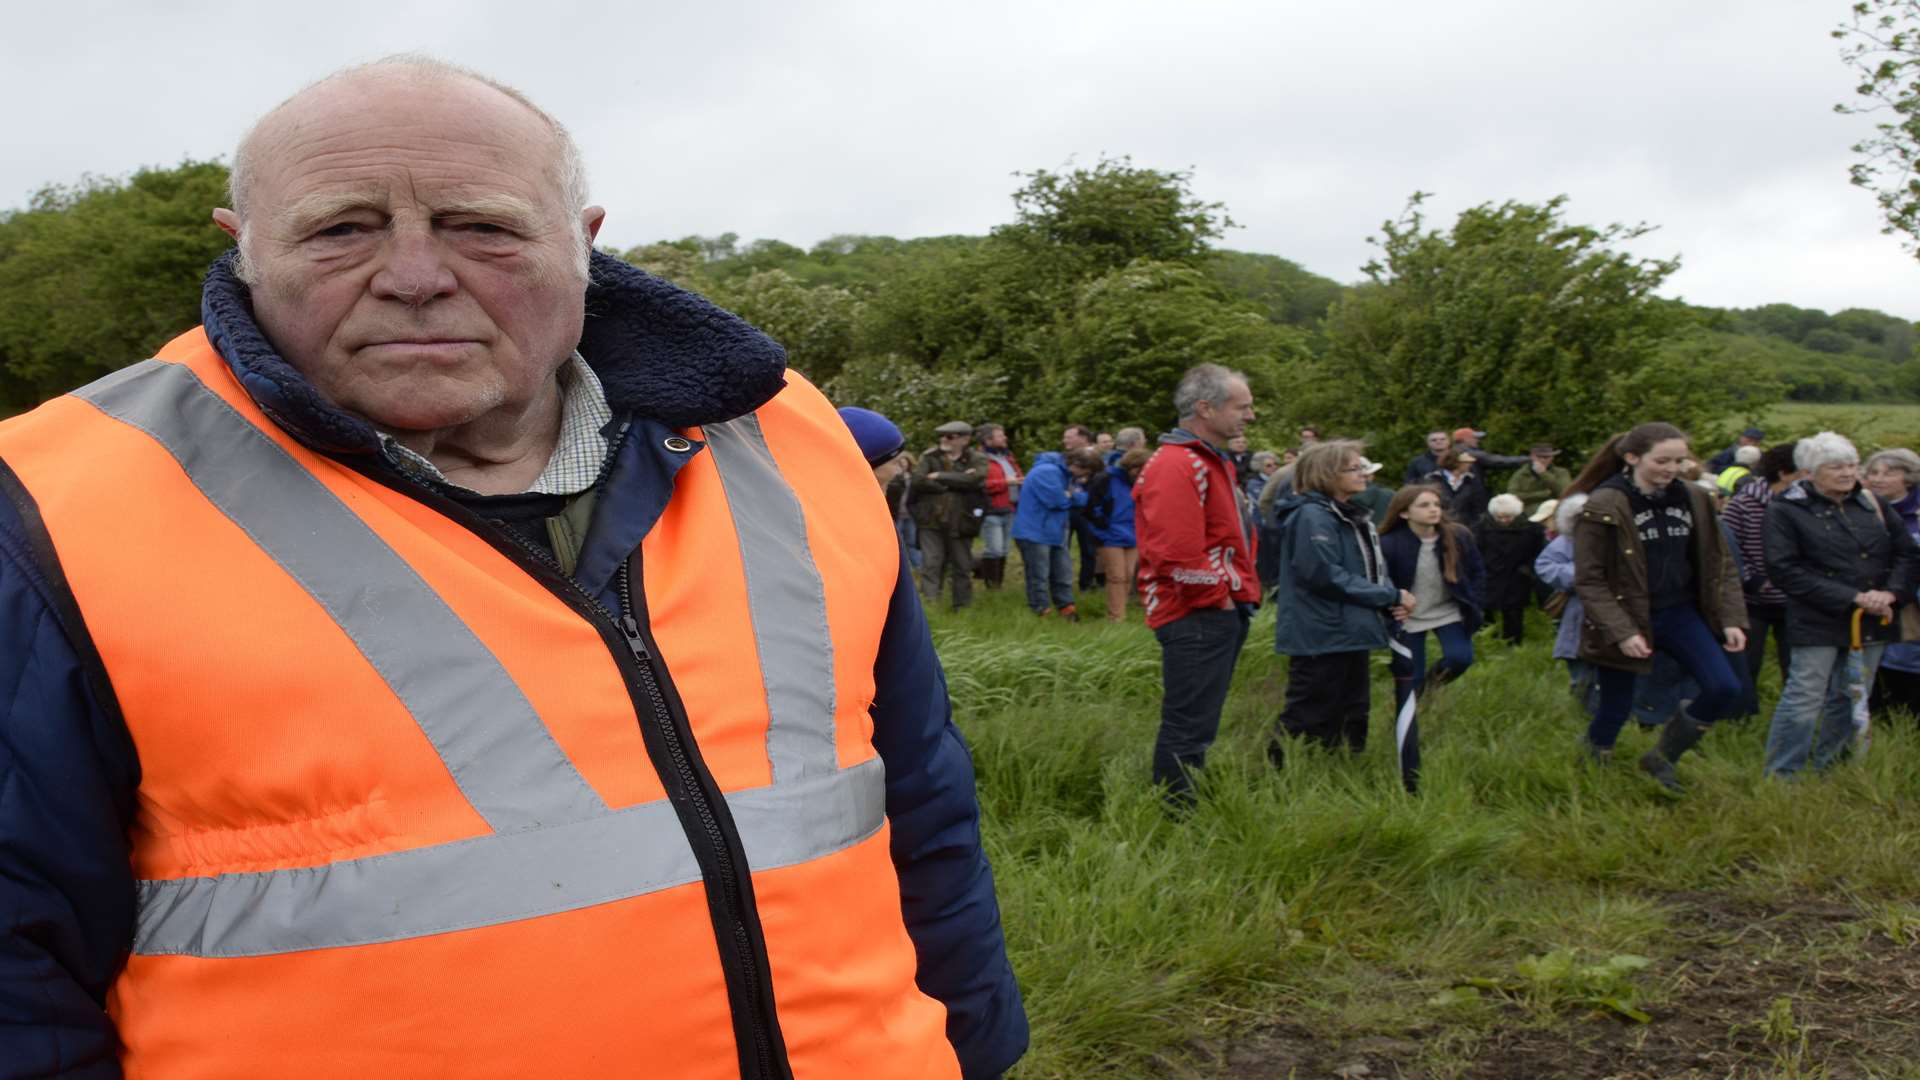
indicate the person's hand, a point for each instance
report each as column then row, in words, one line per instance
column 1636, row 647
column 1226, row 603
column 1736, row 639
column 1875, row 602
column 1408, row 600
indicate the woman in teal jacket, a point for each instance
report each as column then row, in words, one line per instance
column 1333, row 599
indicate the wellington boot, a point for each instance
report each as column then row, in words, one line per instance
column 1681, row 734
column 1595, row 755
column 996, row 571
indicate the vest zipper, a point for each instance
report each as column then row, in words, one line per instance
column 712, row 835
column 729, row 873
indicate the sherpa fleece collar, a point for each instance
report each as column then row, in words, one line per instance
column 661, row 352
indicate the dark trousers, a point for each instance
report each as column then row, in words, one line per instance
column 1049, row 577
column 1681, row 633
column 1761, row 619
column 1089, row 543
column 942, row 554
column 1456, row 656
column 1513, row 622
column 1197, row 654
column 1327, row 699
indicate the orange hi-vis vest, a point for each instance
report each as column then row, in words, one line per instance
column 410, row 807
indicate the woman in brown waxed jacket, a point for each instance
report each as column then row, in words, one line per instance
column 1652, row 571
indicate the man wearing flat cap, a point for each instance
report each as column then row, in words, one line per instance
column 949, row 502
column 1540, row 480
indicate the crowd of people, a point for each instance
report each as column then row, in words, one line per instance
column 1666, row 575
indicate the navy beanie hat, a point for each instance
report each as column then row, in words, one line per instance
column 878, row 438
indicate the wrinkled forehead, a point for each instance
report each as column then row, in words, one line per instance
column 382, row 139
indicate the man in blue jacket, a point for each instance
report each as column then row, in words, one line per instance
column 562, row 459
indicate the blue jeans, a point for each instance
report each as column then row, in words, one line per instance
column 1814, row 717
column 1658, row 694
column 1197, row 654
column 1049, row 574
column 1456, row 656
column 1584, row 680
column 1681, row 633
column 994, row 530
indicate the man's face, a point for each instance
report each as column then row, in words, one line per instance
column 1437, row 441
column 1469, row 439
column 1541, row 462
column 414, row 255
column 1103, row 442
column 996, row 439
column 1221, row 424
column 954, row 445
column 1072, row 439
column 1237, row 444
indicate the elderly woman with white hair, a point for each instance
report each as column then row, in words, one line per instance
column 1508, row 545
column 1894, row 475
column 1833, row 548
column 1554, row 568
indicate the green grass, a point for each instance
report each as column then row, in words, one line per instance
column 1875, row 426
column 1324, row 895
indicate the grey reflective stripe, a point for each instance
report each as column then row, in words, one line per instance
column 493, row 743
column 498, row 878
column 787, row 601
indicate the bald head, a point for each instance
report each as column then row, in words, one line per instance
column 286, row 120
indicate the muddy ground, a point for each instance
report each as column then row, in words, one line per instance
column 1851, row 994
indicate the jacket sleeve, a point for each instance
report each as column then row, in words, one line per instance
column 1475, row 570
column 1317, row 565
column 1554, row 566
column 924, row 481
column 1904, row 576
column 1743, row 521
column 67, row 778
column 1591, row 543
column 1168, row 497
column 946, row 886
column 1733, row 595
column 1047, row 487
column 1099, row 496
column 1789, row 571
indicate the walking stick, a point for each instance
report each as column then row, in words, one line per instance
column 1406, row 729
column 1857, row 688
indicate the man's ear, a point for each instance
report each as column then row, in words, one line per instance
column 591, row 219
column 228, row 221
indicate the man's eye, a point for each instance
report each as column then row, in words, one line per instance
column 341, row 229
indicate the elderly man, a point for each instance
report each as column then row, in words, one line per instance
column 466, row 655
column 1197, row 582
column 1541, row 480
column 950, row 505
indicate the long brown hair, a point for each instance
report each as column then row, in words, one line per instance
column 1612, row 460
column 1451, row 533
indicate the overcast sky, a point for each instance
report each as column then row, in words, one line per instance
column 1710, row 119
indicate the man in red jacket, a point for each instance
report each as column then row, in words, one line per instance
column 1197, row 582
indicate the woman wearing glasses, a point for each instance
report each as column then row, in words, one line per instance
column 1332, row 601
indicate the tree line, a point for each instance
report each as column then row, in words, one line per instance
column 1106, row 283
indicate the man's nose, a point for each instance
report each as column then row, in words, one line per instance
column 414, row 268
